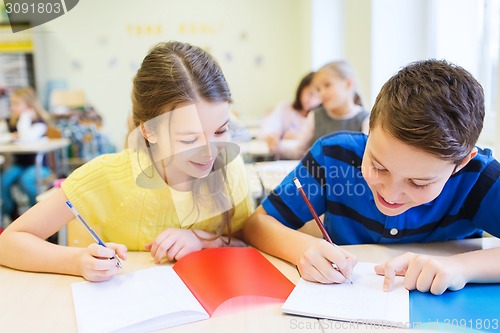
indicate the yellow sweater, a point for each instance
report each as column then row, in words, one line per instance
column 106, row 193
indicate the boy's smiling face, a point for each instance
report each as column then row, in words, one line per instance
column 400, row 176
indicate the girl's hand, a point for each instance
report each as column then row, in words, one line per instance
column 424, row 273
column 175, row 243
column 272, row 142
column 96, row 263
column 316, row 263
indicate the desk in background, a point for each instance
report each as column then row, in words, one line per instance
column 263, row 177
column 40, row 149
column 255, row 150
column 42, row 303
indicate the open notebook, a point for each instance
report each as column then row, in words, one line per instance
column 165, row 296
column 363, row 301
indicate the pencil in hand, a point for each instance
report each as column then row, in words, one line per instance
column 91, row 231
column 316, row 218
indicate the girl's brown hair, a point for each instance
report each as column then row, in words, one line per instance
column 304, row 83
column 174, row 73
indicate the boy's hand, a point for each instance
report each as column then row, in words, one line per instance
column 316, row 264
column 424, row 273
column 96, row 264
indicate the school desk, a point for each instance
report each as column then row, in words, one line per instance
column 40, row 149
column 255, row 150
column 35, row 302
column 264, row 176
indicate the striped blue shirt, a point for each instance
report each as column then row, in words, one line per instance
column 330, row 174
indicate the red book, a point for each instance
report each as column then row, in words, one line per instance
column 217, row 275
column 165, row 295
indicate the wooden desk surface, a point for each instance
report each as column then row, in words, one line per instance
column 43, row 146
column 35, row 302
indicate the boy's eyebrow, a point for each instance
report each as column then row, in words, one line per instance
column 189, row 132
column 427, row 179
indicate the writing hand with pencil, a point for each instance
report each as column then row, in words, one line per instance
column 323, row 261
column 100, row 261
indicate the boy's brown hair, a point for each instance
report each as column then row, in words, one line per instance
column 432, row 105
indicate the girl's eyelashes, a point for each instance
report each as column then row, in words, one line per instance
column 188, row 142
column 222, row 131
column 218, row 133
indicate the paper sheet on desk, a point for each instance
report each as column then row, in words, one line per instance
column 364, row 301
column 140, row 301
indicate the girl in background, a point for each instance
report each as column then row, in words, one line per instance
column 28, row 123
column 149, row 196
column 286, row 120
column 341, row 109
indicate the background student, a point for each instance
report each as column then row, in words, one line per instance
column 341, row 109
column 176, row 188
column 28, row 122
column 287, row 119
column 417, row 177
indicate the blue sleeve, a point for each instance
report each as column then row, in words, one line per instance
column 487, row 217
column 285, row 202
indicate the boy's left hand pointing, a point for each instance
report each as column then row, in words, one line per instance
column 424, row 273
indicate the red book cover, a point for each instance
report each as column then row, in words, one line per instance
column 216, row 275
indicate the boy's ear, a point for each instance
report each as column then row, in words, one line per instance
column 148, row 133
column 466, row 159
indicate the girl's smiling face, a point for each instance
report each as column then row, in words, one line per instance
column 333, row 90
column 400, row 176
column 189, row 139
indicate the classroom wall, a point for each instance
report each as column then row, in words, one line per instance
column 327, row 32
column 380, row 36
column 401, row 33
column 98, row 46
column 376, row 36
column 263, row 46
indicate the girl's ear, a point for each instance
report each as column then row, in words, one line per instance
column 349, row 83
column 148, row 133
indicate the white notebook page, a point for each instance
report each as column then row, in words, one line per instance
column 146, row 300
column 363, row 301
